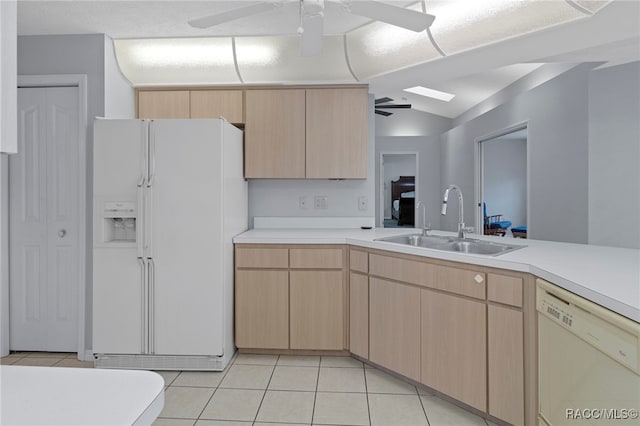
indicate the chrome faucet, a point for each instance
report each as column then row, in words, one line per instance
column 425, row 227
column 461, row 227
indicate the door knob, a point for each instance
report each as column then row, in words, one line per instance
column 62, row 233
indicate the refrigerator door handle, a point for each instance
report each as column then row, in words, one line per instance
column 140, row 222
column 152, row 154
column 151, row 299
column 145, row 300
column 147, row 222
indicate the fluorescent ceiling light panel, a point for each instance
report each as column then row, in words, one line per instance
column 430, row 93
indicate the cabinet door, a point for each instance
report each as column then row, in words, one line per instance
column 262, row 309
column 317, row 310
column 274, row 138
column 218, row 103
column 359, row 315
column 163, row 104
column 337, row 128
column 394, row 326
column 506, row 364
column 454, row 347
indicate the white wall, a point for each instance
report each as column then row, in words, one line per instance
column 119, row 95
column 396, row 165
column 279, row 197
column 8, row 77
column 411, row 122
column 505, row 179
column 429, row 187
column 557, row 116
column 4, row 256
column 614, row 156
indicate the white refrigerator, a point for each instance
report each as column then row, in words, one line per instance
column 169, row 196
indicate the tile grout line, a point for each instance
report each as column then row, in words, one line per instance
column 215, row 389
column 255, row 418
column 315, row 393
column 366, row 392
column 424, row 410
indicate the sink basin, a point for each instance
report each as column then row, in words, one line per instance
column 458, row 245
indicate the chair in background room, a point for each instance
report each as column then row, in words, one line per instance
column 519, row 232
column 494, row 225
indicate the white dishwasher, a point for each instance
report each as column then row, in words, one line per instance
column 589, row 363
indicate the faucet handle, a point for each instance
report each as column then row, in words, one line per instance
column 469, row 229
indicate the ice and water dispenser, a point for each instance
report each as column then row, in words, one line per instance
column 119, row 222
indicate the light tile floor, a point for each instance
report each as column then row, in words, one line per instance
column 272, row 390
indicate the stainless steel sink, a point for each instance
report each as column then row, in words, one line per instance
column 465, row 245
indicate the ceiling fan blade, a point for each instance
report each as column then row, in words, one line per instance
column 383, row 100
column 394, row 106
column 311, row 37
column 384, row 113
column 232, row 15
column 394, row 15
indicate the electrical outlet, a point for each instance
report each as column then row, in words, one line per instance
column 321, row 202
column 303, row 202
column 363, row 204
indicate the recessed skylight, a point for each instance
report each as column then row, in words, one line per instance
column 430, row 93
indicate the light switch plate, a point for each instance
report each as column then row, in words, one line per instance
column 303, row 202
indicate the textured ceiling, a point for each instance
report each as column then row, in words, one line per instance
column 612, row 34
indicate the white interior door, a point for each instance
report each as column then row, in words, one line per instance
column 44, row 212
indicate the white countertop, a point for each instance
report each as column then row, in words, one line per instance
column 79, row 396
column 607, row 276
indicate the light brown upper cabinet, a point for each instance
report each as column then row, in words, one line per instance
column 217, row 103
column 274, row 139
column 163, row 104
column 336, row 133
column 318, row 133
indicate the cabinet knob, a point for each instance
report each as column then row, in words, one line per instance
column 62, row 233
column 478, row 278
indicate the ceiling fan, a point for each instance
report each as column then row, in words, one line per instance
column 312, row 14
column 379, row 108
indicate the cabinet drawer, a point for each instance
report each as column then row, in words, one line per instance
column 404, row 270
column 316, row 258
column 262, row 257
column 504, row 289
column 460, row 281
column 359, row 261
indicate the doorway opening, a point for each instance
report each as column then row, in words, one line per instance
column 398, row 189
column 503, row 183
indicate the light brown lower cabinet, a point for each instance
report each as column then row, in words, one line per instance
column 317, row 310
column 262, row 309
column 394, row 326
column 359, row 315
column 454, row 347
column 506, row 367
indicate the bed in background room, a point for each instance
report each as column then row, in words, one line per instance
column 403, row 197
